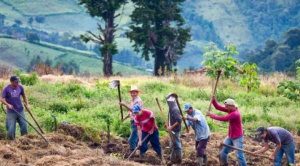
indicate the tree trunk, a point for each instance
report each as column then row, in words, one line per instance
column 159, row 62
column 109, row 38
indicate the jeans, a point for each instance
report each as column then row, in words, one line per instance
column 237, row 142
column 289, row 151
column 176, row 150
column 133, row 139
column 154, row 140
column 11, row 119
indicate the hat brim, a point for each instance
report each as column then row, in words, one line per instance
column 139, row 91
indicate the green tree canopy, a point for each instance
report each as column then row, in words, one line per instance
column 157, row 30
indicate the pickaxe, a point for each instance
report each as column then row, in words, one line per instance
column 113, row 84
column 55, row 122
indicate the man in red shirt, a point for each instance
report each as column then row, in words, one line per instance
column 146, row 124
column 235, row 131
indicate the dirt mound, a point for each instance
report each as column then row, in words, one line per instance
column 67, row 149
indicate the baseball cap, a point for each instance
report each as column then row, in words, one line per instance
column 14, row 79
column 260, row 130
column 187, row 106
column 136, row 108
column 230, row 102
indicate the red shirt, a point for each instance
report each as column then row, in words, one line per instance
column 146, row 120
column 234, row 118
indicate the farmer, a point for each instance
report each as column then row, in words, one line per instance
column 198, row 122
column 235, row 132
column 146, row 124
column 11, row 98
column 135, row 99
column 284, row 144
column 174, row 128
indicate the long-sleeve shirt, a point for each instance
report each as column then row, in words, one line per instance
column 235, row 127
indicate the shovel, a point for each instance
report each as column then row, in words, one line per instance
column 113, row 84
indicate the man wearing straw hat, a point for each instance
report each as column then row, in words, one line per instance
column 135, row 99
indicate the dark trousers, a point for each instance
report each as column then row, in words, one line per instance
column 201, row 147
column 154, row 140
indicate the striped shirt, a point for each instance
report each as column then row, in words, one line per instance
column 146, row 120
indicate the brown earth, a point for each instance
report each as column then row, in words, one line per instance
column 66, row 149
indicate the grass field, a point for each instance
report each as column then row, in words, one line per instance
column 88, row 99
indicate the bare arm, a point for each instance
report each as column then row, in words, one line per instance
column 139, row 135
column 262, row 150
column 25, row 101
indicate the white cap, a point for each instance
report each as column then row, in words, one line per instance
column 230, row 102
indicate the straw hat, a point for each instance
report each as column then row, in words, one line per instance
column 134, row 88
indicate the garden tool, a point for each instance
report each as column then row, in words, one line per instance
column 176, row 99
column 214, row 90
column 55, row 122
column 32, row 126
column 131, row 154
column 165, row 120
column 246, row 151
column 28, row 110
column 113, row 84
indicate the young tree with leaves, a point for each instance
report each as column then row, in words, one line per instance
column 157, row 30
column 104, row 9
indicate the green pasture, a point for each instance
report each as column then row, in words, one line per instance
column 86, row 105
column 20, row 54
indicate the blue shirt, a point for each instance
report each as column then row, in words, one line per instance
column 200, row 126
column 278, row 135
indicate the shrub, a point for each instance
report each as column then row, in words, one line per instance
column 289, row 89
column 31, row 79
column 59, row 107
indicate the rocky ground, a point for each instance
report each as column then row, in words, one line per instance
column 66, row 148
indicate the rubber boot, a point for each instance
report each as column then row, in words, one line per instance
column 205, row 161
column 200, row 161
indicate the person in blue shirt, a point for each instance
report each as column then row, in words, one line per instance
column 198, row 122
column 284, row 144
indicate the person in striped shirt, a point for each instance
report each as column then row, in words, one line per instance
column 146, row 124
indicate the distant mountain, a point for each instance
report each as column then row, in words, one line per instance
column 244, row 23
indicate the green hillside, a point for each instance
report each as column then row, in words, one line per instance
column 20, row 53
column 247, row 24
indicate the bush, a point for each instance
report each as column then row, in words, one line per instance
column 249, row 118
column 31, row 79
column 59, row 107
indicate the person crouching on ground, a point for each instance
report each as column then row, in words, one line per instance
column 135, row 99
column 284, row 144
column 235, row 130
column 146, row 124
column 198, row 122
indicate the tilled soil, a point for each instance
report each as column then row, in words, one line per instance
column 66, row 149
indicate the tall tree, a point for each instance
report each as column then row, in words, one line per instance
column 157, row 30
column 104, row 9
